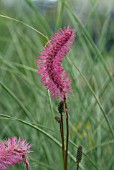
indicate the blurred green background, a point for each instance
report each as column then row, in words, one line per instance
column 26, row 107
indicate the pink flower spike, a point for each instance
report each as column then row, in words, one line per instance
column 13, row 151
column 53, row 75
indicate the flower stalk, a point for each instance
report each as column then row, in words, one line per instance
column 67, row 134
column 62, row 136
column 61, row 110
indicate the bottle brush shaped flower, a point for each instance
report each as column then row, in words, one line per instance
column 13, row 151
column 53, row 75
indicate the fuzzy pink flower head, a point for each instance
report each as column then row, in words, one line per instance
column 53, row 75
column 13, row 151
